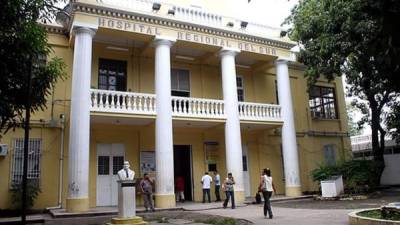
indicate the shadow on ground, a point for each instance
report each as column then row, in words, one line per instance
column 162, row 217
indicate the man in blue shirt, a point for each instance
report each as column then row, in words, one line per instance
column 217, row 185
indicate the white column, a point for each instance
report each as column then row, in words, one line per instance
column 233, row 141
column 79, row 135
column 289, row 145
column 165, row 197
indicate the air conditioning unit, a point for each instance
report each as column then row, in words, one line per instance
column 3, row 149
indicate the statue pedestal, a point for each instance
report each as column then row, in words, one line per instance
column 127, row 205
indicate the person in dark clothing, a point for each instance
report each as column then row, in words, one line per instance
column 217, row 179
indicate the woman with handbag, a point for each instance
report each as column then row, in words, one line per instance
column 267, row 187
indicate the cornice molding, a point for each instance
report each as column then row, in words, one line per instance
column 135, row 16
column 54, row 29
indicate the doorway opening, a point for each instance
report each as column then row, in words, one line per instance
column 110, row 159
column 183, row 167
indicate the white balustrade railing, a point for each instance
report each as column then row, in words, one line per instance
column 259, row 112
column 197, row 16
column 192, row 15
column 122, row 102
column 198, row 107
column 141, row 103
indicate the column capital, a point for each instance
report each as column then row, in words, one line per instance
column 84, row 30
column 163, row 40
column 79, row 28
column 228, row 51
column 282, row 60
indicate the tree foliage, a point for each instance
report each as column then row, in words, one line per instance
column 23, row 50
column 358, row 175
column 359, row 38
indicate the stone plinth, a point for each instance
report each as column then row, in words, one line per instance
column 127, row 205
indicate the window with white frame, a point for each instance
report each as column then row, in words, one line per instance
column 180, row 82
column 240, row 88
column 34, row 155
column 330, row 154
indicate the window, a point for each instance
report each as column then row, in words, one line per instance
column 118, row 163
column 330, row 154
column 240, row 88
column 180, row 83
column 103, row 165
column 276, row 92
column 112, row 75
column 244, row 160
column 282, row 163
column 34, row 154
column 212, row 167
column 322, row 102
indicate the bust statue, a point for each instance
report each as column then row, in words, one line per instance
column 126, row 173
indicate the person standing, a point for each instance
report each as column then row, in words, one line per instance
column 267, row 187
column 180, row 189
column 146, row 186
column 206, row 181
column 229, row 191
column 217, row 179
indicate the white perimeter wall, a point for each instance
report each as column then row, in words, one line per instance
column 391, row 174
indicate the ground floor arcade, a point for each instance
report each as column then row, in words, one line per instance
column 198, row 147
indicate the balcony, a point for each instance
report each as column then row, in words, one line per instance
column 193, row 15
column 104, row 101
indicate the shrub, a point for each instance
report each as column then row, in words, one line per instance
column 32, row 192
column 358, row 175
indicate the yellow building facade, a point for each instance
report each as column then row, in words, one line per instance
column 177, row 90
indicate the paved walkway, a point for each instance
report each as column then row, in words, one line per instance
column 298, row 212
column 283, row 216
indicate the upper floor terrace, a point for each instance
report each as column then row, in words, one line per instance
column 125, row 32
column 123, row 60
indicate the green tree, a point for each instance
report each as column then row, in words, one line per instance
column 24, row 66
column 23, row 50
column 359, row 38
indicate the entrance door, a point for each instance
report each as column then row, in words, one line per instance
column 246, row 175
column 183, row 167
column 110, row 159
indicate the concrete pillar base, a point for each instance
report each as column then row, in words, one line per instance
column 77, row 204
column 165, row 201
column 239, row 197
column 136, row 220
column 293, row 191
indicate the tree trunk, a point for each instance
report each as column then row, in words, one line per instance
column 26, row 143
column 377, row 149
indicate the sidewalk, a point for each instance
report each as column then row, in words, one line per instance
column 100, row 214
column 282, row 216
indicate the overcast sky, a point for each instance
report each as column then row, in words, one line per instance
column 269, row 12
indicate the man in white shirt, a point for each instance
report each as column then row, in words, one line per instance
column 206, row 181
